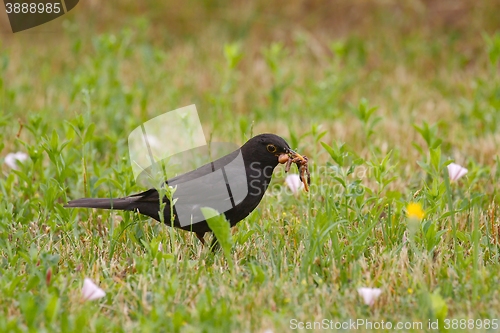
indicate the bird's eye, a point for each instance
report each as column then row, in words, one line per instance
column 271, row 148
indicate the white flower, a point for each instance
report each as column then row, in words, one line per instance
column 12, row 158
column 160, row 247
column 456, row 171
column 294, row 183
column 91, row 291
column 369, row 294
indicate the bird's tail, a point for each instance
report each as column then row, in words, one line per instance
column 108, row 203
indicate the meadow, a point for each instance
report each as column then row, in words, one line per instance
column 380, row 95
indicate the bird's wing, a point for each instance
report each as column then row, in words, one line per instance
column 204, row 169
column 187, row 178
column 220, row 185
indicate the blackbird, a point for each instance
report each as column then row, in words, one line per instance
column 244, row 186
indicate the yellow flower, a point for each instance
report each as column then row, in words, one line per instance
column 414, row 211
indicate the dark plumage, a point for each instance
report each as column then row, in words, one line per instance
column 260, row 156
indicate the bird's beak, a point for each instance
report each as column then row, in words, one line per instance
column 289, row 154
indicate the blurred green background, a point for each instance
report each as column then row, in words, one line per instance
column 380, row 95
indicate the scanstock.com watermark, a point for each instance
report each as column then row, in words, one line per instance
column 27, row 14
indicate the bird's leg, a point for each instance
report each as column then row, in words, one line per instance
column 215, row 245
column 200, row 237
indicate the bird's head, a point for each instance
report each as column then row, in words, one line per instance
column 269, row 149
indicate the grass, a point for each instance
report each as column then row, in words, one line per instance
column 380, row 97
